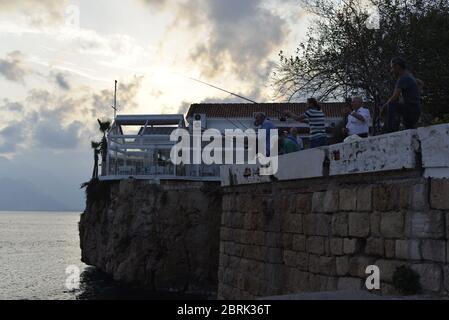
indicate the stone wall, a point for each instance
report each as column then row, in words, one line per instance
column 321, row 234
column 164, row 237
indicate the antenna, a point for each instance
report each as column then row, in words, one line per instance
column 115, row 100
column 215, row 87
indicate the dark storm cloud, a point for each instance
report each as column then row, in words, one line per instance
column 12, row 67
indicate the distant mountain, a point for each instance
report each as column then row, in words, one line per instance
column 20, row 195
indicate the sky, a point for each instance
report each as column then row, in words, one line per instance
column 59, row 60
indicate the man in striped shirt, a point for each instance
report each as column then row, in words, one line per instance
column 317, row 122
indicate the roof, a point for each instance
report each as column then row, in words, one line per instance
column 141, row 120
column 247, row 110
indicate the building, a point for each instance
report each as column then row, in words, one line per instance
column 139, row 146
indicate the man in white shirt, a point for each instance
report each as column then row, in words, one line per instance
column 359, row 120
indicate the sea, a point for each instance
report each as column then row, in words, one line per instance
column 40, row 259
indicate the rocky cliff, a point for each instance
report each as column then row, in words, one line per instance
column 165, row 237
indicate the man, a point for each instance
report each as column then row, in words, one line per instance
column 264, row 123
column 317, row 122
column 359, row 119
column 405, row 101
column 287, row 144
column 294, row 136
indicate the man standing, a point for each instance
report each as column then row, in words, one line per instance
column 405, row 102
column 359, row 119
column 266, row 124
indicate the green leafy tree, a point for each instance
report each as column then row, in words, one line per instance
column 343, row 54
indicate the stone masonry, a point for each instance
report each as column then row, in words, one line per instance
column 321, row 234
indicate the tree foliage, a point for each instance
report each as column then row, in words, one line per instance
column 342, row 54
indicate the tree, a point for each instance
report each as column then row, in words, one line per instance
column 342, row 54
column 104, row 128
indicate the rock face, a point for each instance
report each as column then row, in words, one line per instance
column 164, row 237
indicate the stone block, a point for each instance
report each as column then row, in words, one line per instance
column 408, row 249
column 375, row 224
column 395, row 151
column 431, row 276
column 304, row 203
column 349, row 284
column 390, row 247
column 359, row 224
column 392, row 224
column 446, row 277
column 358, row 265
column 434, row 250
column 317, row 224
column 429, row 224
column 375, row 247
column 299, row 243
column 435, row 150
column 314, row 263
column 364, row 198
column 325, row 202
column 342, row 265
column 315, row 245
column 292, row 223
column 328, row 266
column 351, row 246
column 302, row 261
column 336, row 246
column 388, row 268
column 273, row 239
column 439, row 194
column 419, row 199
column 348, row 199
column 340, row 224
column 274, row 255
column 290, row 258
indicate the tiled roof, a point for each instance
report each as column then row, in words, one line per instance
column 247, row 110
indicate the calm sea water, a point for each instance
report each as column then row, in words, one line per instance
column 35, row 250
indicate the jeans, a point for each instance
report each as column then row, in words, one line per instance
column 408, row 112
column 319, row 142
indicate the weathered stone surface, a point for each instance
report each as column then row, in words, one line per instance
column 375, row 247
column 290, row 258
column 336, row 246
column 348, row 199
column 439, row 194
column 315, row 245
column 394, row 151
column 317, row 224
column 340, row 224
column 328, row 266
column 434, row 250
column 364, row 198
column 140, row 235
column 351, row 246
column 375, row 219
column 358, row 265
column 324, row 202
column 408, row 249
column 431, row 276
column 293, row 223
column 314, row 263
column 419, row 199
column 392, row 224
column 342, row 264
column 388, row 268
column 425, row 224
column 274, row 255
column 302, row 261
column 299, row 243
column 349, row 284
column 446, row 277
column 390, row 248
column 304, row 203
column 359, row 224
column 435, row 150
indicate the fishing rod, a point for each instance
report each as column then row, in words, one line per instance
column 215, row 87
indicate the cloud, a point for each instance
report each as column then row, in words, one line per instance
column 62, row 120
column 38, row 12
column 12, row 67
column 11, row 106
column 61, row 80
